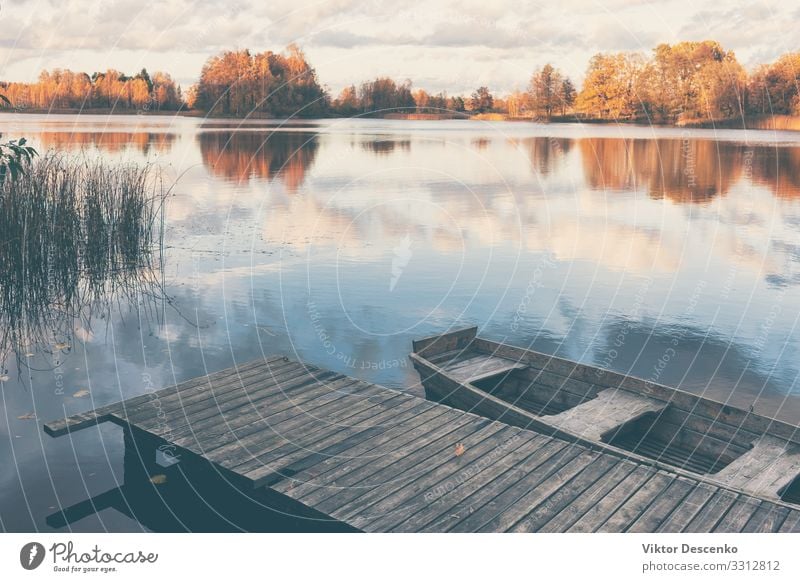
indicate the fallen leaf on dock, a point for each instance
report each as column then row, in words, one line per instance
column 159, row 479
column 81, row 394
column 460, row 449
column 27, row 416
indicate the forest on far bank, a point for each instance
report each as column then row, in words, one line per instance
column 679, row 83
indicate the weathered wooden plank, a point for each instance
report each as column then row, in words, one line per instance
column 361, row 494
column 197, row 433
column 254, row 470
column 398, row 434
column 636, row 504
column 550, row 506
column 430, row 497
column 792, row 523
column 318, row 445
column 442, row 498
column 688, row 509
column 764, row 469
column 171, row 397
column 668, row 502
column 738, row 515
column 210, row 396
column 496, row 481
column 611, row 409
column 712, row 512
column 768, row 518
column 437, row 344
column 297, row 395
column 465, row 359
column 406, row 497
column 263, row 438
column 554, row 471
column 561, row 521
column 600, row 512
column 76, row 422
column 348, row 475
column 82, row 420
column 321, row 405
column 445, row 359
column 482, row 366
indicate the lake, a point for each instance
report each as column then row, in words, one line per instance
column 668, row 254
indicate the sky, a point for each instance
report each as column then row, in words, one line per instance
column 452, row 45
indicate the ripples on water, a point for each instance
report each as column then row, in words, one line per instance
column 668, row 254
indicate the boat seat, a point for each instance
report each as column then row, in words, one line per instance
column 474, row 366
column 611, row 409
column 764, row 470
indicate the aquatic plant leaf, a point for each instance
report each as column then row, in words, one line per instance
column 159, row 479
column 27, row 416
column 81, row 394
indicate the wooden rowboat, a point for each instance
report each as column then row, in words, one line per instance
column 631, row 417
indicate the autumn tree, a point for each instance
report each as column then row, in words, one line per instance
column 482, row 100
column 347, row 103
column 438, row 102
column 568, row 95
column 695, row 80
column 611, row 87
column 456, row 104
column 515, row 103
column 65, row 89
column 421, row 99
column 544, row 91
column 427, row 103
column 383, row 96
column 279, row 85
column 775, row 88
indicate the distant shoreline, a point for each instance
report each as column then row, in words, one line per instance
column 767, row 122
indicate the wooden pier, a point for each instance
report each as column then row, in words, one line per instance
column 380, row 460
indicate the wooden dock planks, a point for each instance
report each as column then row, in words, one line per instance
column 382, row 460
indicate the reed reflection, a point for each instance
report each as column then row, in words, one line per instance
column 241, row 155
column 76, row 240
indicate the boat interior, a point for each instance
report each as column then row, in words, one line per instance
column 647, row 420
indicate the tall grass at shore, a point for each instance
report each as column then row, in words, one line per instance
column 76, row 236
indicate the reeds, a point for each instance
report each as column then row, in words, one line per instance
column 75, row 236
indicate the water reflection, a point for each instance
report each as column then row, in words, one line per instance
column 76, row 238
column 545, row 153
column 689, row 170
column 385, row 146
column 239, row 156
column 111, row 142
column 387, row 231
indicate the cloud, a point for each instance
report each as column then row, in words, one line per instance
column 342, row 39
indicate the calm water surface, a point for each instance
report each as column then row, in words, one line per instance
column 667, row 254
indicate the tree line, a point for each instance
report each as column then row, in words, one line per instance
column 65, row 89
column 686, row 81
